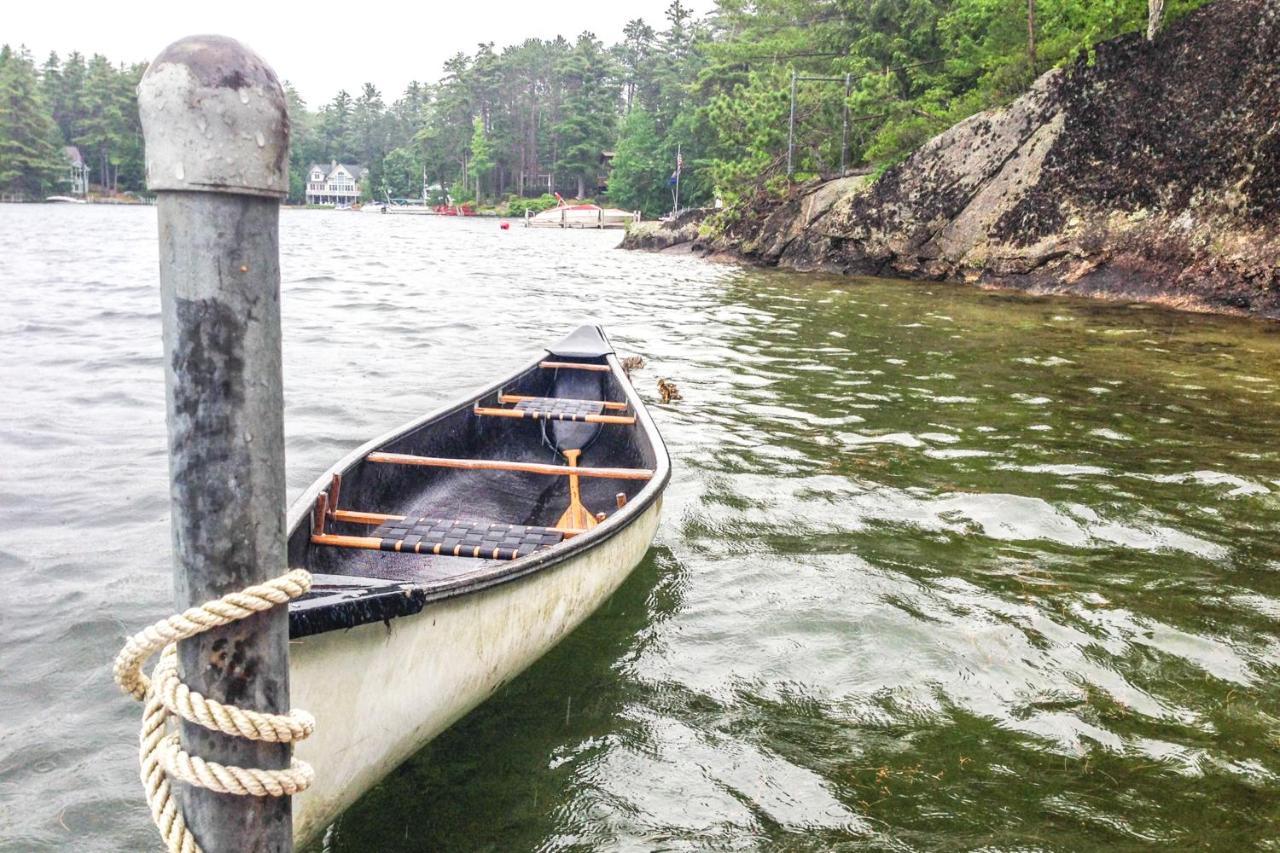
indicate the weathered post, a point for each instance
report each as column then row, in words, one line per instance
column 217, row 142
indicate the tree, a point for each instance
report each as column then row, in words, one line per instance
column 481, row 157
column 370, row 131
column 1155, row 15
column 303, row 144
column 635, row 56
column 29, row 152
column 74, row 73
column 638, row 180
column 402, row 173
column 336, row 128
column 587, row 124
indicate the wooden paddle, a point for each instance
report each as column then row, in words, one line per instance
column 576, row 517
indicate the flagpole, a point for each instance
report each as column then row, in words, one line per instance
column 675, row 210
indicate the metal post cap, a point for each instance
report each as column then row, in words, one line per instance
column 214, row 119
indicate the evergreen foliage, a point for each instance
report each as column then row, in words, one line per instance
column 481, row 157
column 539, row 116
column 638, row 180
column 29, row 144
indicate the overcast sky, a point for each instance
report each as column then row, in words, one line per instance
column 321, row 47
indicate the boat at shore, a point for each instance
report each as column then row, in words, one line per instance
column 65, row 199
column 407, row 207
column 452, row 553
column 565, row 215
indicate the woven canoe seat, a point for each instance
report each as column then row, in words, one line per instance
column 552, row 408
column 450, row 537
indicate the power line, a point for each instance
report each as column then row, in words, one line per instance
column 848, row 80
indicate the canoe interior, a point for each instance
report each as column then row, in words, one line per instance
column 355, row 586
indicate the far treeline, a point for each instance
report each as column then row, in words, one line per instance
column 591, row 120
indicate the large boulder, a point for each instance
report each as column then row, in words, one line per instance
column 1150, row 170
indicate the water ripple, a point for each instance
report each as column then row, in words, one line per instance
column 939, row 568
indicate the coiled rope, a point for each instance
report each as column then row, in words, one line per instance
column 164, row 696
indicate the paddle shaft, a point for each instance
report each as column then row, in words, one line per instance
column 577, row 515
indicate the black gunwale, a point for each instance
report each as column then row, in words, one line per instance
column 341, row 601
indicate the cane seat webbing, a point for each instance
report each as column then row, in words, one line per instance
column 450, row 537
column 552, row 408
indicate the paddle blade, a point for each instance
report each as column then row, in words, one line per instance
column 576, row 517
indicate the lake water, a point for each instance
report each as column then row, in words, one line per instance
column 939, row 568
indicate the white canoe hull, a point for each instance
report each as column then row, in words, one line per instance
column 380, row 692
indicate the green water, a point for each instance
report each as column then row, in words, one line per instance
column 939, row 569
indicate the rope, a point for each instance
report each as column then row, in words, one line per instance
column 165, row 696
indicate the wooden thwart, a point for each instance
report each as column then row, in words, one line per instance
column 574, row 365
column 537, row 416
column 373, row 519
column 502, row 465
column 373, row 543
column 521, row 398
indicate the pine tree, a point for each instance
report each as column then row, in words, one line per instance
column 130, row 160
column 336, row 128
column 302, row 143
column 52, row 88
column 101, row 127
column 369, row 127
column 481, row 157
column 30, row 159
column 587, row 122
column 69, row 110
column 638, row 180
column 636, row 56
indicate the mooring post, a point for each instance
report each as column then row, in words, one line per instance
column 217, row 151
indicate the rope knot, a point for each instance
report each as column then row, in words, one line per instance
column 164, row 696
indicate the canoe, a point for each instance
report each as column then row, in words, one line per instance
column 446, row 559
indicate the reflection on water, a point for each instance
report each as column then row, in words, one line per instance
column 939, row 568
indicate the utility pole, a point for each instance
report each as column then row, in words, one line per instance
column 791, row 124
column 1031, row 36
column 675, row 207
column 217, row 149
column 844, row 127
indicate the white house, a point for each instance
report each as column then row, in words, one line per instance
column 77, row 176
column 336, row 184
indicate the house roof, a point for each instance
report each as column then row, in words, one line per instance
column 355, row 171
column 72, row 154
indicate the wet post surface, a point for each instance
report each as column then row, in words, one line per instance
column 217, row 138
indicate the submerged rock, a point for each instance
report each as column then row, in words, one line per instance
column 1152, row 172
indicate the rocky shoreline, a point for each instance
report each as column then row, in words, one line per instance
column 1151, row 173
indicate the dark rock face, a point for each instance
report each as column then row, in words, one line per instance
column 1151, row 173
